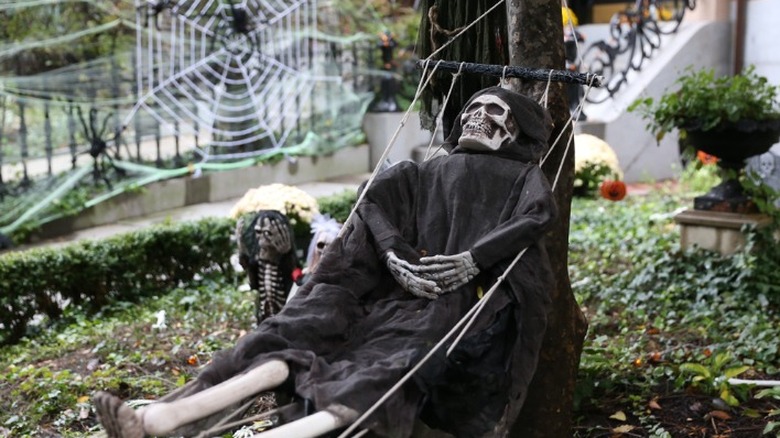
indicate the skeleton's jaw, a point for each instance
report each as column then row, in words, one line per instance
column 478, row 142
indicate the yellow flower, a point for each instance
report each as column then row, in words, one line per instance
column 590, row 149
column 289, row 200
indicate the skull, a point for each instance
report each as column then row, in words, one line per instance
column 487, row 124
column 766, row 165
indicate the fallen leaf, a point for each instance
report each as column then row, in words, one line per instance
column 626, row 428
column 720, row 415
column 619, row 416
column 696, row 407
column 655, row 357
column 82, row 399
column 652, row 404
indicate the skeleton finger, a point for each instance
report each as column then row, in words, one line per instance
column 401, row 263
column 450, row 272
column 418, row 286
column 280, row 236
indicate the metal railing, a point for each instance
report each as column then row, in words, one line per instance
column 41, row 137
column 636, row 34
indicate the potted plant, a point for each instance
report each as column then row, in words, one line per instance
column 730, row 117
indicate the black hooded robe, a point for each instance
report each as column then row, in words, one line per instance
column 352, row 332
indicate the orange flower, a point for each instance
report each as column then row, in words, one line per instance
column 192, row 360
column 613, row 190
column 705, row 158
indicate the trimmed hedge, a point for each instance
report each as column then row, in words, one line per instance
column 92, row 274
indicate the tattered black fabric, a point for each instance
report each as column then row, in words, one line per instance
column 352, row 332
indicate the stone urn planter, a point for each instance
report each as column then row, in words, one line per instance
column 730, row 117
column 733, row 143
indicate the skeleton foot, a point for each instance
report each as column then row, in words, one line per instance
column 119, row 420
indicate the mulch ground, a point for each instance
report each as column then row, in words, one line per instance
column 682, row 415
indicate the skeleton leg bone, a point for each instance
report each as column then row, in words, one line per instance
column 311, row 426
column 120, row 421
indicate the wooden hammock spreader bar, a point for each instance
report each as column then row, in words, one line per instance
column 511, row 71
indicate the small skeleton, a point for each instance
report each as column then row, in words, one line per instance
column 267, row 254
column 324, row 230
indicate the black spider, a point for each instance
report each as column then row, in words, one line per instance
column 154, row 9
column 236, row 27
column 98, row 148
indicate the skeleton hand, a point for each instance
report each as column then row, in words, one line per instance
column 449, row 271
column 405, row 274
column 273, row 236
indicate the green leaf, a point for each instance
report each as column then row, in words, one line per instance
column 696, row 368
column 734, row 372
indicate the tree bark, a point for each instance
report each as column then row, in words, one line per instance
column 535, row 39
column 527, row 33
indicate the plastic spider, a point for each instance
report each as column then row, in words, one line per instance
column 154, row 9
column 98, row 148
column 235, row 26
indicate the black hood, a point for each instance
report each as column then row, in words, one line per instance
column 534, row 121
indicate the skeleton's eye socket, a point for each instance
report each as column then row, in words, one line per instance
column 494, row 110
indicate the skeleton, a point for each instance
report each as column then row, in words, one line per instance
column 766, row 165
column 486, row 125
column 266, row 252
column 324, row 230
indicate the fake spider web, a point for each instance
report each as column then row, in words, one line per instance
column 237, row 76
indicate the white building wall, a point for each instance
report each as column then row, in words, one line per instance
column 762, row 37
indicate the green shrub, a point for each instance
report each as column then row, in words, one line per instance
column 91, row 274
column 338, row 206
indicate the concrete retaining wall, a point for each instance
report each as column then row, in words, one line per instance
column 210, row 187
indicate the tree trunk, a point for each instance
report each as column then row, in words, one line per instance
column 529, row 34
column 535, row 39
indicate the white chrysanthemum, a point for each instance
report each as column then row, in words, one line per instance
column 289, row 200
column 589, row 149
